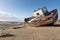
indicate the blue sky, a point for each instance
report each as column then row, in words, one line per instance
column 17, row 10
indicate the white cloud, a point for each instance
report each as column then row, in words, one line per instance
column 4, row 16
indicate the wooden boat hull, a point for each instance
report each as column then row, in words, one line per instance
column 47, row 20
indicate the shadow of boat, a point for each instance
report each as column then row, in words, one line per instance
column 54, row 25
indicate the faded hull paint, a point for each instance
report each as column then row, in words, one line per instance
column 50, row 19
column 47, row 20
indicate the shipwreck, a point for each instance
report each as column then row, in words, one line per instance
column 42, row 17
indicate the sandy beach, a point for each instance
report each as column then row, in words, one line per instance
column 31, row 33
